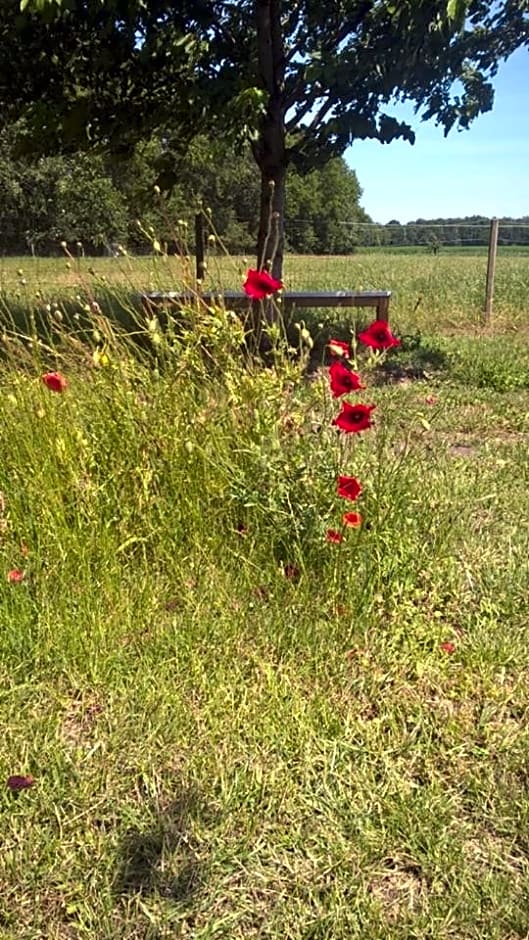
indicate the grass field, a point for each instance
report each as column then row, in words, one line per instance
column 446, row 291
column 235, row 728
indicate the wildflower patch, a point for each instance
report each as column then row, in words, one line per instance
column 353, row 417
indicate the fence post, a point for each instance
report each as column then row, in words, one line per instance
column 200, row 246
column 491, row 269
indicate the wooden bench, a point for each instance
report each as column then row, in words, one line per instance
column 289, row 300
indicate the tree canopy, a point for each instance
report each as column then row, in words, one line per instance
column 300, row 81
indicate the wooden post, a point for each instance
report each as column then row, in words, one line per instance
column 383, row 309
column 200, row 246
column 491, row 269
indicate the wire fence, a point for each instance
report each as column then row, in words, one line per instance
column 328, row 237
column 441, row 269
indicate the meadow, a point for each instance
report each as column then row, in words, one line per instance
column 224, row 724
column 444, row 291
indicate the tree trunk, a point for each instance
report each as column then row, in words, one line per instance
column 270, row 239
column 270, row 150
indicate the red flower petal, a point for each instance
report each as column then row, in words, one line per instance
column 354, row 418
column 337, row 347
column 343, row 380
column 349, row 487
column 352, row 519
column 448, row 647
column 55, row 381
column 15, row 576
column 17, row 782
column 260, row 284
column 333, row 536
column 379, row 336
column 431, row 400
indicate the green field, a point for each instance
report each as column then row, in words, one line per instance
column 432, row 292
column 236, row 728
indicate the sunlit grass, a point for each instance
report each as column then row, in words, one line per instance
column 446, row 291
column 237, row 729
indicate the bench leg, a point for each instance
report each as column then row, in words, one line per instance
column 383, row 309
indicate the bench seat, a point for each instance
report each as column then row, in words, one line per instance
column 289, row 299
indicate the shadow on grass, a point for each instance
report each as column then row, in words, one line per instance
column 417, row 358
column 123, row 309
column 163, row 856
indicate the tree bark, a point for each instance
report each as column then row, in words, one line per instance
column 270, row 239
column 270, row 150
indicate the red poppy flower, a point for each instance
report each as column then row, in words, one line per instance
column 353, row 418
column 349, row 487
column 379, row 336
column 352, row 519
column 343, row 380
column 333, row 536
column 55, row 381
column 448, row 647
column 260, row 284
column 337, row 347
column 18, row 782
column 15, row 576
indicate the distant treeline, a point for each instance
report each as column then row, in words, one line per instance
column 434, row 233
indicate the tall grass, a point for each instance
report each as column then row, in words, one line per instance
column 442, row 292
column 237, row 729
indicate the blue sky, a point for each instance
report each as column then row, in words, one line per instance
column 482, row 171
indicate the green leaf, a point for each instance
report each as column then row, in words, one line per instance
column 456, row 11
column 38, row 5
